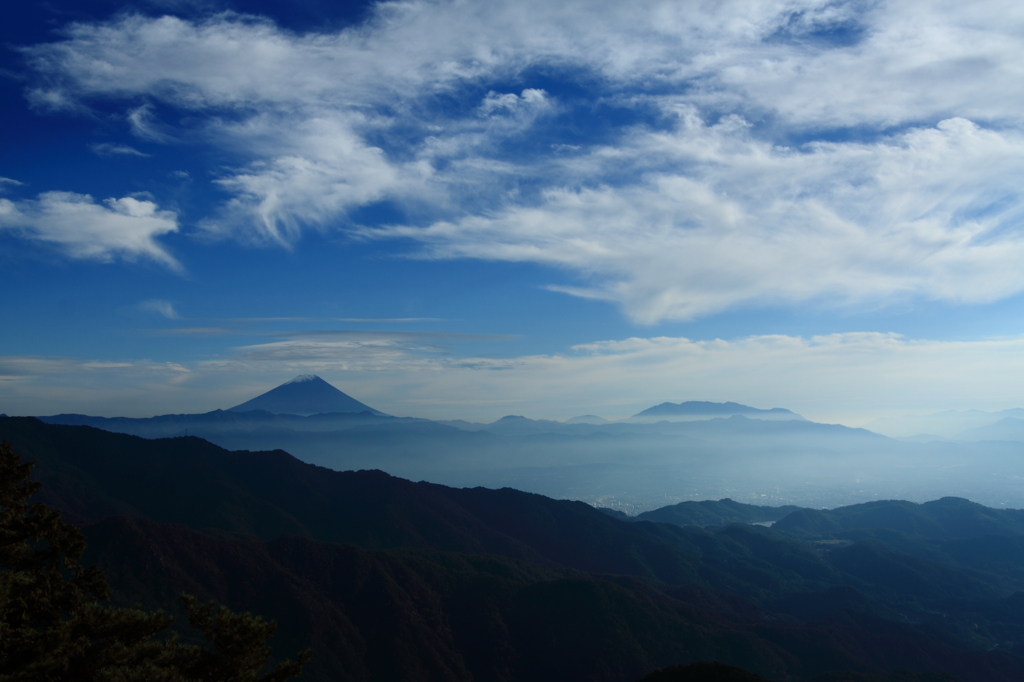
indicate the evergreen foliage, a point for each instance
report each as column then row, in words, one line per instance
column 54, row 628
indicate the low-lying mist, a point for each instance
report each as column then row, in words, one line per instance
column 632, row 467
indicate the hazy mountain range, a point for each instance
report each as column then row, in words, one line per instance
column 694, row 409
column 390, row 579
column 969, row 425
column 706, row 451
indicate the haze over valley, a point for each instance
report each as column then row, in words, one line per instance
column 695, row 450
column 512, row 341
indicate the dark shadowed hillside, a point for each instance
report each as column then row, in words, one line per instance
column 712, row 513
column 631, row 467
column 390, row 579
column 948, row 518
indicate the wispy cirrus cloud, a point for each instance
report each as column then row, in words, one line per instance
column 391, row 320
column 389, row 335
column 932, row 212
column 144, row 125
column 112, row 149
column 790, row 152
column 165, row 308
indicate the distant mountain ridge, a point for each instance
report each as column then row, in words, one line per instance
column 390, row 579
column 943, row 519
column 628, row 465
column 585, row 461
column 701, row 409
column 716, row 513
column 967, row 425
column 304, row 395
column 586, row 419
column 1008, row 428
column 209, row 423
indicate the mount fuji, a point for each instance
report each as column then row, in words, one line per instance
column 305, row 395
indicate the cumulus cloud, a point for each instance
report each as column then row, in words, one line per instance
column 532, row 102
column 124, row 228
column 770, row 150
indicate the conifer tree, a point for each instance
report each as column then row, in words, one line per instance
column 53, row 626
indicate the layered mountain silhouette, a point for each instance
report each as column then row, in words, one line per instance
column 390, row 579
column 699, row 409
column 969, row 425
column 586, row 419
column 712, row 513
column 304, row 395
column 640, row 465
column 707, row 448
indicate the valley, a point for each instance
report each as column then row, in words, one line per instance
column 390, row 579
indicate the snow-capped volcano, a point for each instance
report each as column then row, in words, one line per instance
column 304, row 395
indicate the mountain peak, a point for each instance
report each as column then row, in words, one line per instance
column 303, row 378
column 700, row 409
column 304, row 395
column 587, row 419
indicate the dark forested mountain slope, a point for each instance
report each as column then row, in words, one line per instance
column 390, row 579
column 712, row 513
column 422, row 614
column 947, row 518
column 92, row 474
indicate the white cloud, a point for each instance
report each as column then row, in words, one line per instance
column 769, row 53
column 40, row 385
column 532, row 100
column 848, row 378
column 165, row 308
column 910, row 215
column 144, row 125
column 325, row 170
column 118, row 228
column 752, row 196
column 115, row 149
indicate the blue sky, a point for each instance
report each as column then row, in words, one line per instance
column 470, row 209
